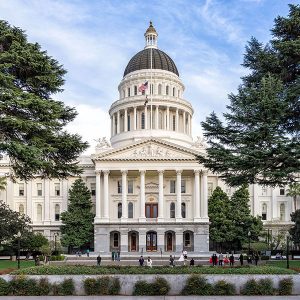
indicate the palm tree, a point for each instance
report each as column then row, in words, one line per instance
column 294, row 191
column 2, row 183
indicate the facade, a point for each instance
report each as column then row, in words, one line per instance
column 148, row 189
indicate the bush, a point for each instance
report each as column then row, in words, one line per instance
column 57, row 257
column 44, row 287
column 102, row 286
column 285, row 286
column 262, row 287
column 65, row 288
column 223, row 288
column 4, row 287
column 22, row 286
column 265, row 257
column 160, row 286
column 197, row 285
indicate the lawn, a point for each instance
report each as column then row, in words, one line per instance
column 282, row 263
column 8, row 264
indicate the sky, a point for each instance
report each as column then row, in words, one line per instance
column 95, row 39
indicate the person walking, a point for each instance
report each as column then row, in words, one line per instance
column 221, row 259
column 98, row 260
column 256, row 258
column 118, row 255
column 231, row 260
column 149, row 262
column 181, row 258
column 171, row 261
column 141, row 261
column 241, row 258
column 214, row 259
column 192, row 262
column 88, row 252
column 184, row 256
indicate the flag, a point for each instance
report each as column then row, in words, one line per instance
column 146, row 101
column 143, row 87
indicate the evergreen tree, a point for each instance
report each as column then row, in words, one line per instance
column 295, row 230
column 294, row 192
column 221, row 228
column 258, row 142
column 77, row 221
column 32, row 122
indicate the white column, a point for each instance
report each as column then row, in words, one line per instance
column 178, row 195
column 106, row 195
column 197, row 196
column 184, row 127
column 204, row 199
column 168, row 118
column 114, row 124
column 177, row 120
column 125, row 121
column 29, row 199
column 124, row 195
column 118, row 122
column 134, row 118
column 142, row 202
column 111, row 126
column 274, row 205
column 47, row 201
column 190, row 124
column 160, row 195
column 98, row 197
column 146, row 117
column 156, row 117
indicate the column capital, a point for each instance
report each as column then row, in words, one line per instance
column 197, row 171
column 124, row 171
column 142, row 171
column 105, row 172
column 178, row 172
column 98, row 172
column 160, row 171
column 204, row 172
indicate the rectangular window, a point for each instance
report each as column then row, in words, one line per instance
column 183, row 187
column 57, row 189
column 172, row 186
column 21, row 189
column 93, row 189
column 130, row 186
column 151, row 210
column 282, row 192
column 39, row 189
column 174, row 123
column 210, row 188
column 264, row 216
column 128, row 92
column 119, row 187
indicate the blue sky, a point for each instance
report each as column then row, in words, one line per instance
column 95, row 39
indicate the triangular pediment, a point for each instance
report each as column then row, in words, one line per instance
column 150, row 149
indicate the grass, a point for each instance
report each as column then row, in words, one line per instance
column 94, row 270
column 8, row 264
column 294, row 264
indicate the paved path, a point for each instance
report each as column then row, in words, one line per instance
column 152, row 297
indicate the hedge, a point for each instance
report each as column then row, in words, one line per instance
column 96, row 270
column 159, row 286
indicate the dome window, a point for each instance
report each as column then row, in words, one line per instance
column 135, row 90
column 143, row 121
column 167, row 90
column 174, row 92
column 128, row 93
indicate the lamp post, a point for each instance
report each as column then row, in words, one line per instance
column 19, row 246
column 287, row 252
column 55, row 245
column 249, row 236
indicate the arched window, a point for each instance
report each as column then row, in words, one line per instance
column 167, row 90
column 282, row 212
column 172, row 210
column 116, row 240
column 21, row 209
column 174, row 123
column 119, row 210
column 174, row 92
column 128, row 122
column 159, row 89
column 135, row 90
column 130, row 210
column 39, row 211
column 183, row 210
column 264, row 211
column 160, row 120
column 57, row 212
column 128, row 93
column 143, row 121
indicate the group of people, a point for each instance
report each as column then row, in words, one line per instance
column 220, row 260
column 148, row 261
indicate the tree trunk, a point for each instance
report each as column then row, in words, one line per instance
column 295, row 203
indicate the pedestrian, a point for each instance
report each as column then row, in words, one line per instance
column 214, row 259
column 141, row 261
column 118, row 255
column 231, row 260
column 181, row 258
column 171, row 261
column 98, row 260
column 192, row 262
column 241, row 258
column 113, row 255
column 221, row 259
column 256, row 258
column 37, row 261
column 88, row 252
column 149, row 262
column 249, row 259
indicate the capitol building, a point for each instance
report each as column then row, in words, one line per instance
column 148, row 189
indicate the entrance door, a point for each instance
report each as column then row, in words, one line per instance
column 151, row 239
column 133, row 242
column 151, row 210
column 169, row 241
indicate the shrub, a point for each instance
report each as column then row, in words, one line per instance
column 57, row 257
column 223, row 288
column 262, row 287
column 64, row 288
column 22, row 286
column 285, row 286
column 4, row 287
column 115, row 286
column 43, row 287
column 102, row 286
column 160, row 286
column 265, row 257
column 197, row 285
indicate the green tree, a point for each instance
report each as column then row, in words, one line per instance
column 221, row 229
column 294, row 192
column 11, row 222
column 32, row 122
column 2, row 183
column 258, row 142
column 77, row 221
column 295, row 230
column 241, row 218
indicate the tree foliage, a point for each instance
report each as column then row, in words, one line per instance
column 258, row 142
column 11, row 222
column 294, row 192
column 295, row 230
column 77, row 222
column 32, row 122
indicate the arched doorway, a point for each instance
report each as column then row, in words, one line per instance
column 151, row 241
column 133, row 241
column 170, row 241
